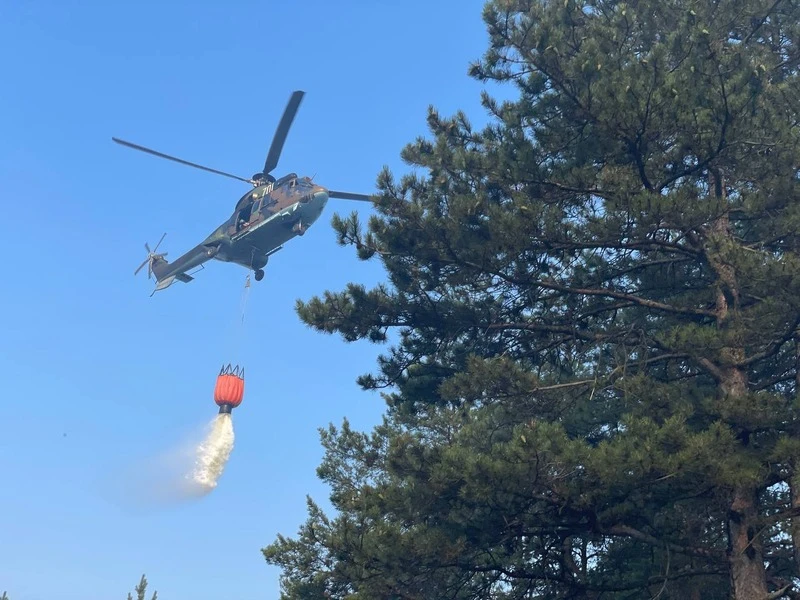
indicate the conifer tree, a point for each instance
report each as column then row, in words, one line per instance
column 597, row 300
column 141, row 590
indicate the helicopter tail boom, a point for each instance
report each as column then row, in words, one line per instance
column 165, row 272
column 165, row 282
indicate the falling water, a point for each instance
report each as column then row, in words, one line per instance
column 185, row 471
column 213, row 453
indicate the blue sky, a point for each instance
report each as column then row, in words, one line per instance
column 97, row 375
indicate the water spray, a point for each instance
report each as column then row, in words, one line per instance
column 214, row 451
column 192, row 468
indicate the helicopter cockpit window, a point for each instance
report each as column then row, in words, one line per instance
column 285, row 178
column 301, row 182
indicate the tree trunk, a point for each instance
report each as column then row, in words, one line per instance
column 745, row 549
column 794, row 481
column 745, row 552
column 794, row 490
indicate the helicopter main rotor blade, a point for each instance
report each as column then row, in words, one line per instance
column 349, row 196
column 159, row 241
column 146, row 260
column 282, row 131
column 180, row 160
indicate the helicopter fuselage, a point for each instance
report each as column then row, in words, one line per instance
column 266, row 218
column 263, row 220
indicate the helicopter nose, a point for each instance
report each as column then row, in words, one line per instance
column 317, row 196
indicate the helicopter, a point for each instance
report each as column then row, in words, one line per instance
column 263, row 220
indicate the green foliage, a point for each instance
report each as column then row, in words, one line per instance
column 597, row 299
column 141, row 589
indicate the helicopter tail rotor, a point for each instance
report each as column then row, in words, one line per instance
column 152, row 257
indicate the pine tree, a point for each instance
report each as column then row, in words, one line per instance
column 597, row 298
column 141, row 589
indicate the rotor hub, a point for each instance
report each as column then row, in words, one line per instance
column 261, row 178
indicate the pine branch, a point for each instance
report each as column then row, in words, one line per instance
column 760, row 24
column 780, row 516
column 644, row 265
column 141, row 589
column 544, row 328
column 716, row 372
column 780, row 593
column 773, row 347
column 768, row 383
column 630, row 297
column 627, row 531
